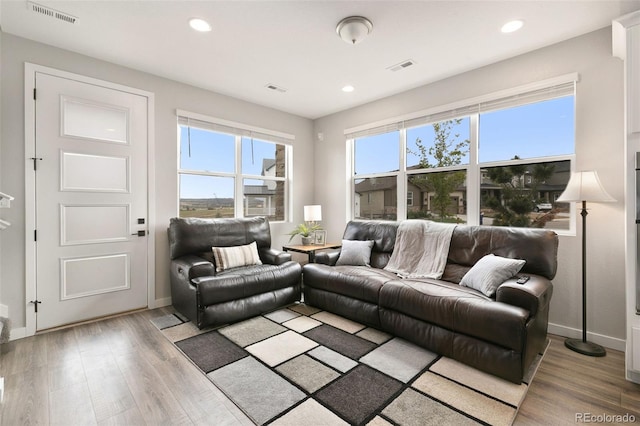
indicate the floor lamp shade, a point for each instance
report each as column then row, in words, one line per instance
column 582, row 187
column 585, row 186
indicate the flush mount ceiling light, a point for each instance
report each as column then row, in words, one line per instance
column 199, row 25
column 354, row 29
column 348, row 88
column 512, row 26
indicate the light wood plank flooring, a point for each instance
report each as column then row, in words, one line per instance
column 122, row 371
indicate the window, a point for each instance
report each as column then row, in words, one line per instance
column 444, row 196
column 524, row 194
column 376, row 165
column 541, row 129
column 226, row 171
column 499, row 160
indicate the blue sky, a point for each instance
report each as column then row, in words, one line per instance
column 534, row 130
column 215, row 152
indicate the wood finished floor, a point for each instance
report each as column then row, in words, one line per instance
column 122, row 371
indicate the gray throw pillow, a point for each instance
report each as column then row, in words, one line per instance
column 355, row 253
column 491, row 271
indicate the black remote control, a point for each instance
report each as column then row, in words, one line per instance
column 522, row 279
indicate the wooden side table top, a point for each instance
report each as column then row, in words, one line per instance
column 311, row 248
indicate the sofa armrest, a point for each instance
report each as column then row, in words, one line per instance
column 327, row 257
column 534, row 295
column 272, row 256
column 191, row 266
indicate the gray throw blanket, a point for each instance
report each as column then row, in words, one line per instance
column 421, row 249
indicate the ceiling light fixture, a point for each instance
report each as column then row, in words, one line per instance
column 348, row 88
column 512, row 26
column 199, row 25
column 354, row 29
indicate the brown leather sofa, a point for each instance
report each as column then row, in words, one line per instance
column 500, row 335
column 208, row 297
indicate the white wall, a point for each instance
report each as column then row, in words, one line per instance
column 599, row 145
column 169, row 95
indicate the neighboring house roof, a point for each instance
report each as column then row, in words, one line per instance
column 376, row 184
column 268, row 163
column 258, row 190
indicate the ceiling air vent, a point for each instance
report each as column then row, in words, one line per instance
column 52, row 13
column 276, row 88
column 402, row 65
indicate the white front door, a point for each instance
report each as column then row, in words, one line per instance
column 90, row 201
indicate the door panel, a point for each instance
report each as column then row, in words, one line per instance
column 114, row 277
column 94, row 173
column 78, row 224
column 91, row 188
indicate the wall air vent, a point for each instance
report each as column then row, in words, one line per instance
column 276, row 88
column 402, row 65
column 52, row 13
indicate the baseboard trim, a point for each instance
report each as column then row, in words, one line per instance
column 601, row 339
column 160, row 303
column 18, row 333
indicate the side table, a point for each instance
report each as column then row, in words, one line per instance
column 310, row 250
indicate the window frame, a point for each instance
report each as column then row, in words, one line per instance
column 238, row 131
column 473, row 108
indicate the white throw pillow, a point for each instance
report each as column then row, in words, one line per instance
column 355, row 253
column 491, row 271
column 232, row 257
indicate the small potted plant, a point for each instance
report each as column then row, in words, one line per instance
column 306, row 231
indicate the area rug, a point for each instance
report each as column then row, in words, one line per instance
column 300, row 365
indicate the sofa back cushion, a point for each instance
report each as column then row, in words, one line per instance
column 538, row 247
column 383, row 235
column 195, row 235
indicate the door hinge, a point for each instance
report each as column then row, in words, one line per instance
column 35, row 162
column 35, row 235
column 35, row 304
column 34, row 93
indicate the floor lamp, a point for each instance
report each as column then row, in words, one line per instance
column 582, row 187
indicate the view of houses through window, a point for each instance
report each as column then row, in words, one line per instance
column 230, row 175
column 504, row 167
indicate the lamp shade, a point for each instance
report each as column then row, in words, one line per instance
column 312, row 213
column 585, row 186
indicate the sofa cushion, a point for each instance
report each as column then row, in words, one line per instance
column 190, row 235
column 232, row 257
column 355, row 253
column 459, row 309
column 382, row 233
column 539, row 247
column 489, row 272
column 359, row 282
column 240, row 283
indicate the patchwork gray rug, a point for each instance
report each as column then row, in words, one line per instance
column 300, row 365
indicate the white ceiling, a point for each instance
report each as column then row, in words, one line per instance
column 293, row 44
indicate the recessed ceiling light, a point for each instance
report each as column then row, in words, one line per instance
column 348, row 88
column 512, row 26
column 199, row 25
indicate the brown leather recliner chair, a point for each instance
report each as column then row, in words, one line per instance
column 207, row 297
